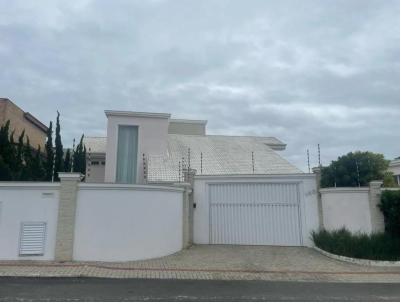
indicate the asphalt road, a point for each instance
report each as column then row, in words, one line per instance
column 91, row 289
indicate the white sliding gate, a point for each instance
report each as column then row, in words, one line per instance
column 255, row 214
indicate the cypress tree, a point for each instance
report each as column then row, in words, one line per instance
column 80, row 157
column 4, row 140
column 49, row 153
column 26, row 168
column 6, row 146
column 5, row 171
column 12, row 154
column 19, row 161
column 59, row 160
column 67, row 161
column 77, row 157
column 6, row 153
column 38, row 171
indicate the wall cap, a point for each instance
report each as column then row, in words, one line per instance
column 358, row 261
column 185, row 121
column 29, row 185
column 114, row 186
column 390, row 189
column 345, row 190
column 316, row 170
column 69, row 175
column 259, row 176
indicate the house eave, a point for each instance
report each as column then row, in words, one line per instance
column 186, row 121
column 110, row 113
column 395, row 163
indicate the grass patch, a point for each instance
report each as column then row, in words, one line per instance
column 362, row 246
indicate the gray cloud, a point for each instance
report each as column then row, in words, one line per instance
column 306, row 72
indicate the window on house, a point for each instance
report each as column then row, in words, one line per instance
column 95, row 163
column 127, row 154
column 103, row 163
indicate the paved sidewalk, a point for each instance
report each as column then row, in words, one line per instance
column 204, row 262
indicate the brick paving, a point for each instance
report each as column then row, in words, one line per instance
column 206, row 262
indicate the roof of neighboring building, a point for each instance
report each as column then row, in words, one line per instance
column 36, row 122
column 212, row 155
column 395, row 163
column 28, row 116
column 95, row 143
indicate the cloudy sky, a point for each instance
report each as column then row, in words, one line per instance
column 307, row 72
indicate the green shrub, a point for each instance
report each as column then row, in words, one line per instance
column 389, row 180
column 390, row 207
column 373, row 247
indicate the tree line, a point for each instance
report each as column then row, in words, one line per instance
column 357, row 169
column 20, row 162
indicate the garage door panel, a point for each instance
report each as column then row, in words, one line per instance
column 253, row 193
column 257, row 220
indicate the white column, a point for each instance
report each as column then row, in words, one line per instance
column 317, row 172
column 377, row 219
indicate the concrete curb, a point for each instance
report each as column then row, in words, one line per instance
column 358, row 261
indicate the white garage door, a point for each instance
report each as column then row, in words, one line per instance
column 255, row 214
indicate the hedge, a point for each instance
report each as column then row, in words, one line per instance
column 380, row 246
column 390, row 207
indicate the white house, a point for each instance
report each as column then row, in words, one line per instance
column 155, row 185
column 151, row 147
column 244, row 191
column 394, row 167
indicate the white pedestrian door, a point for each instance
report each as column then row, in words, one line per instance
column 255, row 214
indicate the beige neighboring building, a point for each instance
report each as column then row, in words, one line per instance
column 20, row 121
column 394, row 167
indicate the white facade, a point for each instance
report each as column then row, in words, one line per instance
column 188, row 127
column 152, row 138
column 346, row 207
column 273, row 194
column 27, row 203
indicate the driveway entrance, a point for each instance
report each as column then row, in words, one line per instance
column 278, row 210
column 255, row 214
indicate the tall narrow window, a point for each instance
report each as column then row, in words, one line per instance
column 127, row 154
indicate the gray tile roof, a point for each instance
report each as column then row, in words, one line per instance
column 213, row 155
column 96, row 144
column 219, row 155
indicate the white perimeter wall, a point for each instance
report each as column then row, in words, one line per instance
column 127, row 222
column 27, row 202
column 346, row 207
column 308, row 201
